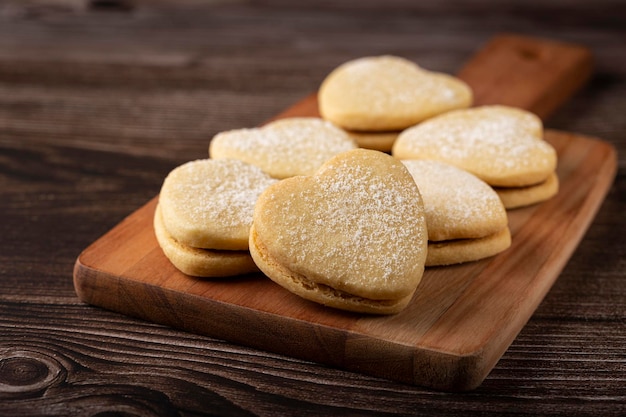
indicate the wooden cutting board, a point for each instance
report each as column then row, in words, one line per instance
column 462, row 318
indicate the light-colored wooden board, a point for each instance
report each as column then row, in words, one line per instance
column 462, row 318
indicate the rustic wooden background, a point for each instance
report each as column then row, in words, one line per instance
column 100, row 99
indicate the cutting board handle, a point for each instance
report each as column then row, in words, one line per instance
column 534, row 74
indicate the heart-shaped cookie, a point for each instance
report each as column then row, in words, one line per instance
column 388, row 93
column 353, row 236
column 284, row 148
column 501, row 145
column 209, row 203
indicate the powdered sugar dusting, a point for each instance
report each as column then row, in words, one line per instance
column 376, row 83
column 361, row 231
column 214, row 195
column 286, row 147
column 487, row 141
column 457, row 204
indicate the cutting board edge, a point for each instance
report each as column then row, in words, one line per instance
column 403, row 363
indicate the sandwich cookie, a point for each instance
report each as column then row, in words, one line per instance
column 204, row 213
column 501, row 145
column 465, row 217
column 376, row 97
column 200, row 262
column 352, row 236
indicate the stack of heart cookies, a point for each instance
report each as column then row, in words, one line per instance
column 374, row 98
column 300, row 200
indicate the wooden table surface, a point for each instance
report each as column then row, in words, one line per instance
column 100, row 99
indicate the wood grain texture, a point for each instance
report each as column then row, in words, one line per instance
column 97, row 105
column 463, row 317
